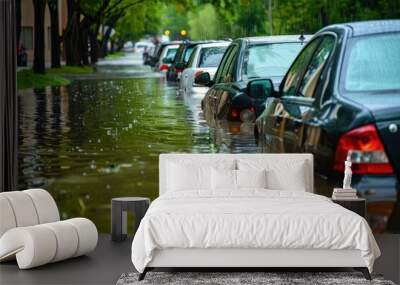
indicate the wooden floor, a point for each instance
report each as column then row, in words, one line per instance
column 110, row 260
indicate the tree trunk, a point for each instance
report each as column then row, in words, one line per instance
column 104, row 43
column 94, row 56
column 55, row 36
column 71, row 34
column 84, row 39
column 39, row 54
column 18, row 19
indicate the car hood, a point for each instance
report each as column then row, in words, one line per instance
column 382, row 106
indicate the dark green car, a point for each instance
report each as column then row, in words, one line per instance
column 341, row 99
column 244, row 61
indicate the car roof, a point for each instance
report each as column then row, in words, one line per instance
column 215, row 44
column 171, row 43
column 368, row 27
column 276, row 39
column 171, row 46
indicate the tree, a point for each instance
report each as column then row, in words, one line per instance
column 39, row 7
column 55, row 36
column 204, row 24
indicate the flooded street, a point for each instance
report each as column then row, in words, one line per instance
column 100, row 137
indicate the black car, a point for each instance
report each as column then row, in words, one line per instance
column 181, row 59
column 341, row 99
column 235, row 93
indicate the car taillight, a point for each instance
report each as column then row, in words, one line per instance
column 163, row 67
column 363, row 147
column 234, row 113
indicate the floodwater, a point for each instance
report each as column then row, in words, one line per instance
column 100, row 137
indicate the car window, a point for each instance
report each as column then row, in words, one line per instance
column 227, row 74
column 211, row 56
column 295, row 72
column 269, row 60
column 373, row 64
column 223, row 63
column 316, row 66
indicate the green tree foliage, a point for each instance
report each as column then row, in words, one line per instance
column 204, row 23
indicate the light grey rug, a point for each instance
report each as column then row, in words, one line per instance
column 243, row 278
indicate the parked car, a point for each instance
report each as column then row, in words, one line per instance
column 204, row 58
column 167, row 56
column 341, row 99
column 154, row 58
column 180, row 61
column 147, row 54
column 140, row 47
column 231, row 93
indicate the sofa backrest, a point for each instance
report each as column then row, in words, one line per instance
column 26, row 208
column 283, row 162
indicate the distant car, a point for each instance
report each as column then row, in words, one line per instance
column 154, row 58
column 204, row 58
column 167, row 56
column 141, row 47
column 128, row 46
column 341, row 99
column 231, row 95
column 147, row 55
column 180, row 61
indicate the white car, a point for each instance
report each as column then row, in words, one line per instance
column 166, row 57
column 204, row 58
column 141, row 47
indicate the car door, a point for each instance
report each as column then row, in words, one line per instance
column 301, row 109
column 186, row 81
column 303, row 126
column 273, row 121
column 215, row 96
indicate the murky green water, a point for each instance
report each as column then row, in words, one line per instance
column 100, row 138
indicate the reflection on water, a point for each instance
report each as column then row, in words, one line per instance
column 97, row 139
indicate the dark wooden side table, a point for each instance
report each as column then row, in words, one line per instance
column 119, row 214
column 358, row 205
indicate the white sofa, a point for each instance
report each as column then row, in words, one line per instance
column 31, row 231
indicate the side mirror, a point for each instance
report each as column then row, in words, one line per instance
column 180, row 65
column 260, row 88
column 203, row 79
column 167, row 60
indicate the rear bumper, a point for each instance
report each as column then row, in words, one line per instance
column 383, row 204
column 376, row 188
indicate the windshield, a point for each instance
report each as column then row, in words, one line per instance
column 269, row 60
column 373, row 64
column 211, row 57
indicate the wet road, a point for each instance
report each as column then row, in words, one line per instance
column 100, row 137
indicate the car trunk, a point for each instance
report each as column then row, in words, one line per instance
column 385, row 108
